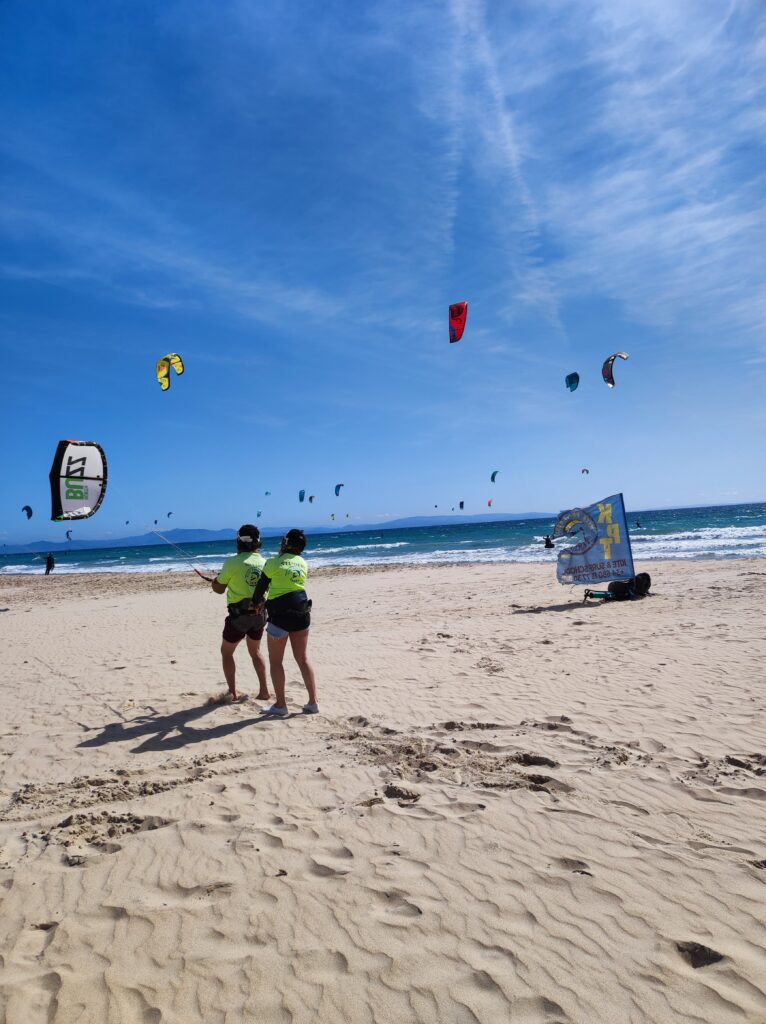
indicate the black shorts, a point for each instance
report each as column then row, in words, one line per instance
column 290, row 612
column 238, row 626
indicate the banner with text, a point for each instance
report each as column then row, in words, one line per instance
column 601, row 551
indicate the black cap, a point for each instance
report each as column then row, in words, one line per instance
column 248, row 537
column 294, row 541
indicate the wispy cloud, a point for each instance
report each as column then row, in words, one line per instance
column 621, row 146
column 149, row 263
column 488, row 111
column 665, row 212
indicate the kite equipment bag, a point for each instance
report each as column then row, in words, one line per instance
column 290, row 611
column 623, row 590
column 243, row 618
column 641, row 584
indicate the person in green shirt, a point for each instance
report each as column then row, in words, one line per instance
column 237, row 579
column 289, row 610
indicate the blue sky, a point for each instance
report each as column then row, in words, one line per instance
column 290, row 194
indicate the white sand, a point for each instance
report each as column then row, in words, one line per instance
column 162, row 860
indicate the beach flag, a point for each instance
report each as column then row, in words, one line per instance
column 601, row 550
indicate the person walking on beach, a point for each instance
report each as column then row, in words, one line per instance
column 50, row 563
column 289, row 610
column 237, row 579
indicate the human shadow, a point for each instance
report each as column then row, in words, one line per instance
column 171, row 732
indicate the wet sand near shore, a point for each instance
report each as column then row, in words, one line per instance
column 513, row 806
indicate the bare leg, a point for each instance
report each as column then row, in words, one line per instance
column 254, row 649
column 277, row 645
column 229, row 667
column 299, row 643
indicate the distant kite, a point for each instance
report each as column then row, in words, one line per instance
column 332, row 516
column 606, row 369
column 258, row 514
column 458, row 312
column 301, row 495
column 163, row 369
column 337, row 489
column 494, row 475
column 78, row 480
column 28, row 510
column 312, row 498
column 69, row 535
column 489, row 503
column 586, row 471
column 572, row 380
column 462, row 505
column 268, row 494
column 169, row 515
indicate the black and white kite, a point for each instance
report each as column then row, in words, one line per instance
column 78, row 480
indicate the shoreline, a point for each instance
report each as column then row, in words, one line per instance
column 68, row 584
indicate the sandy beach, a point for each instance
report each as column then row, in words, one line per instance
column 512, row 807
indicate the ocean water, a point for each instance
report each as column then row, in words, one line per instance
column 727, row 531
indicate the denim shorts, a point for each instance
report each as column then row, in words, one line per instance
column 277, row 632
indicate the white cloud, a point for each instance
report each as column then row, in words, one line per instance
column 669, row 218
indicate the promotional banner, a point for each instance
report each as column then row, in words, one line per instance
column 601, row 551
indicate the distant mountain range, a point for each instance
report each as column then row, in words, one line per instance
column 207, row 536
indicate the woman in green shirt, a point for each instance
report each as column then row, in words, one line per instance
column 289, row 611
column 237, row 579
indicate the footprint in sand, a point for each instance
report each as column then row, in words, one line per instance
column 32, row 944
column 461, row 808
column 578, row 867
column 393, row 908
column 323, row 870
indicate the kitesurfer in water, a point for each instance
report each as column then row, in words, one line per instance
column 638, row 524
column 548, row 542
column 237, row 579
column 289, row 610
column 50, row 563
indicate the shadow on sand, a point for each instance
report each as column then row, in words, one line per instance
column 172, row 732
column 571, row 606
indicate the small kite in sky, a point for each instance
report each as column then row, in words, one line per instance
column 163, row 369
column 606, row 369
column 458, row 312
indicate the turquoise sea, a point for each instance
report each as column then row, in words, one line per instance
column 728, row 531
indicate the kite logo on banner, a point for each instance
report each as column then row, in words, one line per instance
column 602, row 551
